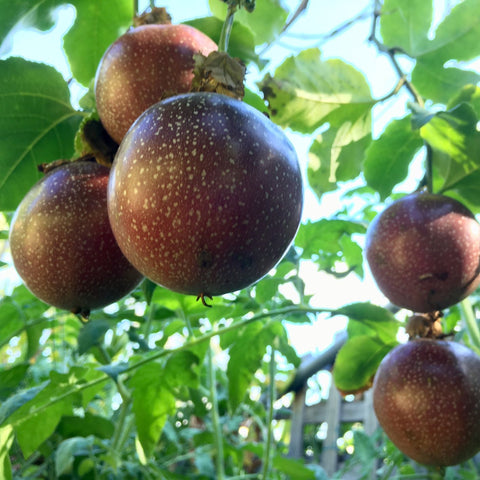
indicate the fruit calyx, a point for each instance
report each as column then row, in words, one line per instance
column 219, row 73
column 153, row 16
column 425, row 325
column 202, row 297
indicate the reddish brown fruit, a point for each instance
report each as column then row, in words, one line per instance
column 426, row 396
column 62, row 244
column 143, row 66
column 205, row 194
column 424, row 252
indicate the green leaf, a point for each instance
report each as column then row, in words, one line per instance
column 30, row 13
column 246, row 355
column 469, row 188
column 11, row 320
column 379, row 320
column 357, row 361
column 153, row 402
column 388, row 157
column 10, row 379
column 35, row 420
column 67, row 451
column 89, row 424
column 37, row 125
column 328, row 243
column 241, row 43
column 456, row 38
column 454, row 134
column 265, row 22
column 405, row 24
column 434, row 81
column 183, row 368
column 293, row 468
column 6, row 440
column 468, row 94
column 306, row 92
column 91, row 334
column 337, row 155
column 97, row 25
column 324, row 235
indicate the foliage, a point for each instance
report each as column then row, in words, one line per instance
column 158, row 386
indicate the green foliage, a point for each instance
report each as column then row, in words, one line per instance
column 129, row 393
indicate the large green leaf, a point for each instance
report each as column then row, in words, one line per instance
column 306, row 92
column 96, row 26
column 246, row 356
column 454, row 135
column 37, row 125
column 456, row 38
column 265, row 22
column 28, row 13
column 357, row 361
column 438, row 83
column 405, row 24
column 388, row 157
column 379, row 321
column 153, row 402
column 337, row 155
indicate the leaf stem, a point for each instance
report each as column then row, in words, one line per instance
column 470, row 323
column 217, row 429
column 271, row 400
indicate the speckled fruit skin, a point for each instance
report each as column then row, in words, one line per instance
column 205, row 194
column 142, row 67
column 424, row 252
column 426, row 395
column 62, row 243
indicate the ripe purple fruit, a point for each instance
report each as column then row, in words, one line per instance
column 426, row 395
column 205, row 194
column 143, row 66
column 62, row 244
column 424, row 252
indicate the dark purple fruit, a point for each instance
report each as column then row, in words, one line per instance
column 142, row 67
column 205, row 194
column 426, row 395
column 424, row 252
column 62, row 243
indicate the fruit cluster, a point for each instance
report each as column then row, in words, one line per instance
column 204, row 195
column 424, row 253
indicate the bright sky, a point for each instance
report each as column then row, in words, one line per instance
column 353, row 47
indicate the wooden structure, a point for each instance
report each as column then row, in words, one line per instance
column 333, row 411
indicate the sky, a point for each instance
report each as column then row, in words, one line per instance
column 353, row 47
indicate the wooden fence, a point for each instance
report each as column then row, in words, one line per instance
column 333, row 411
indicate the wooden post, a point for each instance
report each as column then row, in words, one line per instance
column 295, row 449
column 329, row 459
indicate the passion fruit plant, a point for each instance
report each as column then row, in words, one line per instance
column 116, row 379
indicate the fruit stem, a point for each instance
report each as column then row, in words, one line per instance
column 217, row 428
column 271, row 400
column 429, row 168
column 471, row 323
column 227, row 28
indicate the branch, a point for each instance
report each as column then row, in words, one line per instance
column 391, row 53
